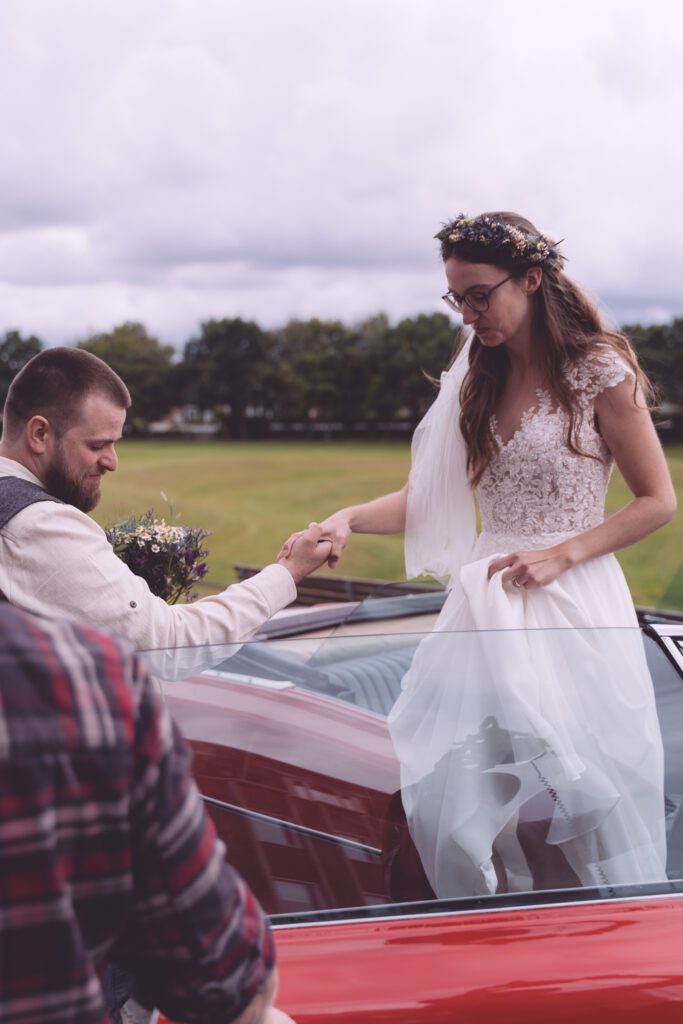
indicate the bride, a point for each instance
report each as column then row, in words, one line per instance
column 526, row 728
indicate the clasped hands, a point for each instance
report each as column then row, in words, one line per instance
column 323, row 541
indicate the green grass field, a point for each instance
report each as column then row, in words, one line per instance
column 252, row 495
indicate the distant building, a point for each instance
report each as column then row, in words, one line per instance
column 186, row 421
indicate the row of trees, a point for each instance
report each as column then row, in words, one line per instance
column 308, row 372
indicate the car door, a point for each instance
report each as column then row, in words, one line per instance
column 294, row 757
column 562, row 960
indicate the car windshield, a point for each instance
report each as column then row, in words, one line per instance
column 359, row 768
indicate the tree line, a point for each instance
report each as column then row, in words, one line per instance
column 359, row 379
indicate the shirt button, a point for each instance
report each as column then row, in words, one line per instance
column 133, row 604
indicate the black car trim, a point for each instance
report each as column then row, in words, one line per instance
column 540, row 900
column 293, row 827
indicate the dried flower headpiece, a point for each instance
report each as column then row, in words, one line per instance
column 514, row 244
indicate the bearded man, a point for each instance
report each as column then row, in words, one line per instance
column 63, row 416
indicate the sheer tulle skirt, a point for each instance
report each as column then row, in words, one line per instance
column 530, row 750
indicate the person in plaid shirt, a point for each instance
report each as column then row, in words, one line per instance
column 106, row 853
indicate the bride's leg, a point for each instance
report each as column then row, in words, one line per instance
column 501, row 873
column 548, row 866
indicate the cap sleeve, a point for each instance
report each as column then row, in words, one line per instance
column 594, row 373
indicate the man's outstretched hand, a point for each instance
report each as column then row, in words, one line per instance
column 307, row 553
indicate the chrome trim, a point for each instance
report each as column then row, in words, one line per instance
column 293, row 827
column 664, row 629
column 674, row 649
column 239, row 677
column 372, row 919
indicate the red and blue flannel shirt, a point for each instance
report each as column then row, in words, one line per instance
column 105, row 848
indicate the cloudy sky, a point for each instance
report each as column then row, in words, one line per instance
column 174, row 160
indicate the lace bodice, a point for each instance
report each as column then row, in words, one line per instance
column 535, row 486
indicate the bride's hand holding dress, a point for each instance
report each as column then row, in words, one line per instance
column 532, row 568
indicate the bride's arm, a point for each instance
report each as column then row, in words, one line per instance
column 382, row 515
column 386, row 514
column 628, row 432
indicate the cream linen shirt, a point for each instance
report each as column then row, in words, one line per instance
column 56, row 561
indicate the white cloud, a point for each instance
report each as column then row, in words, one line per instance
column 171, row 161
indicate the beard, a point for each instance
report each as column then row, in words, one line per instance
column 82, row 492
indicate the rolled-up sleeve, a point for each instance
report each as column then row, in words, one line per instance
column 58, row 562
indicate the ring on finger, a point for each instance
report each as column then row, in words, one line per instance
column 517, row 582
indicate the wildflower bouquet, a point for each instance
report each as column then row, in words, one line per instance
column 170, row 558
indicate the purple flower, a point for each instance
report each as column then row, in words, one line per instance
column 170, row 571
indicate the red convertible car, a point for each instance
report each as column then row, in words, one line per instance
column 295, row 761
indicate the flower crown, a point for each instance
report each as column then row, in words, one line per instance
column 513, row 243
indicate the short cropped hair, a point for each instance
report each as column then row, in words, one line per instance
column 54, row 384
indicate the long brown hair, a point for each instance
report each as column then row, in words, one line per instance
column 570, row 327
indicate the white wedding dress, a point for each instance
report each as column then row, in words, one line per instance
column 526, row 729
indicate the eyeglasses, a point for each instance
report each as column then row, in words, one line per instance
column 478, row 301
